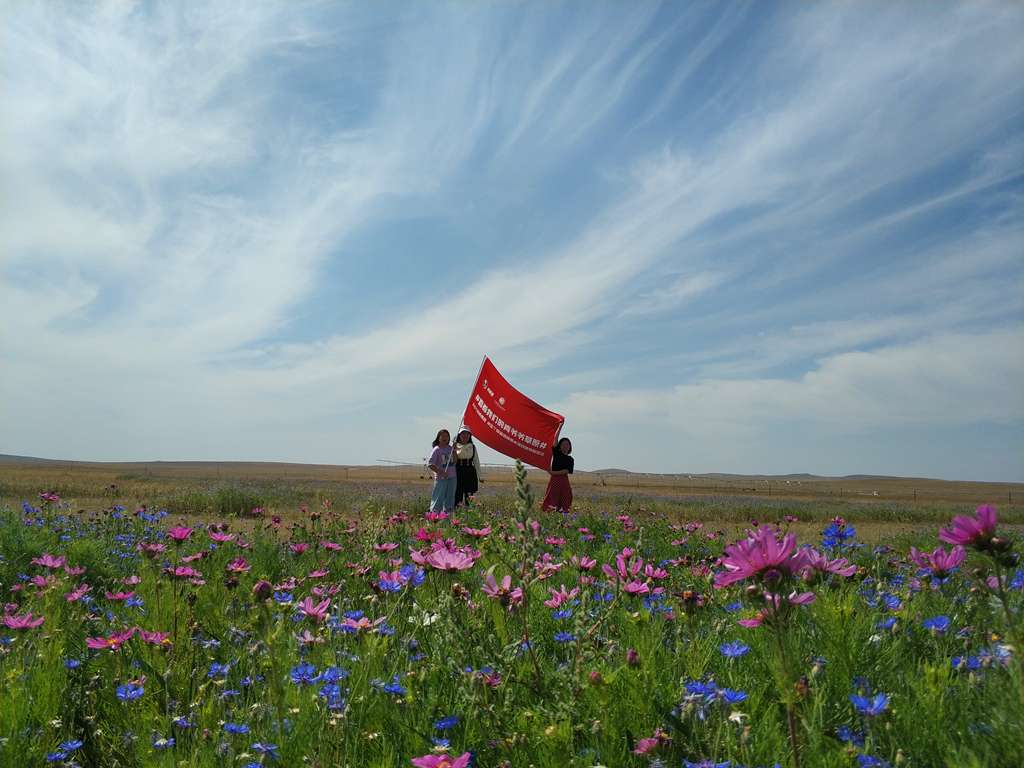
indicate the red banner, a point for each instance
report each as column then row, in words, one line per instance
column 505, row 419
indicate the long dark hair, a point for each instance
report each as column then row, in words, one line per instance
column 558, row 445
column 437, row 438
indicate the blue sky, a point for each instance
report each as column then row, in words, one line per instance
column 757, row 238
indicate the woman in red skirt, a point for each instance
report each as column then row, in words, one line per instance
column 559, row 495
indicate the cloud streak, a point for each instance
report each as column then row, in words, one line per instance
column 751, row 209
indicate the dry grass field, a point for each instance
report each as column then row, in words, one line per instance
column 158, row 478
column 206, row 490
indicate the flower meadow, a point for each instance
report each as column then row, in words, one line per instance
column 503, row 636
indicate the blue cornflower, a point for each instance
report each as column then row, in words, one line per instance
column 890, row 601
column 70, row 746
column 870, row 761
column 870, row 707
column 161, row 743
column 1018, row 579
column 447, row 722
column 887, row 623
column 218, row 670
column 971, row 662
column 413, row 574
column 134, row 602
column 333, row 695
column 55, row 757
column 564, row 637
column 439, row 742
column 333, row 675
column 700, row 688
column 181, row 722
column 356, row 615
column 730, row 696
column 283, row 597
column 733, row 607
column 706, row 764
column 389, row 585
column 264, row 748
column 565, row 613
column 733, row 650
column 236, row 727
column 304, row 674
column 394, row 687
column 936, row 624
column 72, row 663
column 130, row 691
column 849, row 736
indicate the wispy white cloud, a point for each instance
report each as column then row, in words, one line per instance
column 185, row 182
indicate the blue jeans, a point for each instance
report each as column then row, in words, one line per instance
column 442, row 498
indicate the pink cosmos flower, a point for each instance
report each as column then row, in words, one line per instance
column 42, row 582
column 478, row 533
column 546, row 567
column 974, row 531
column 151, row 550
column 761, row 556
column 583, row 562
column 361, row 624
column 561, row 596
column 331, row 546
column 221, row 538
column 262, row 589
column 299, row 547
column 112, row 643
column 652, row 572
column 118, row 595
column 424, row 535
column 77, row 593
column 179, row 533
column 445, row 558
column 49, row 561
column 626, row 568
column 317, row 611
column 645, row 746
column 238, row 565
column 74, row 570
column 162, row 639
column 305, row 637
column 132, row 580
column 387, row 546
column 818, row 565
column 442, row 761
column 317, row 573
column 23, row 621
column 753, row 623
column 940, row 562
column 502, row 592
column 636, row 587
column 183, row 572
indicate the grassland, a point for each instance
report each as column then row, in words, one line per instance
column 206, row 490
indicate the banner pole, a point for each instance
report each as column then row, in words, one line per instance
column 472, row 388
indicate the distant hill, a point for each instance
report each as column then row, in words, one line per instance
column 6, row 458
